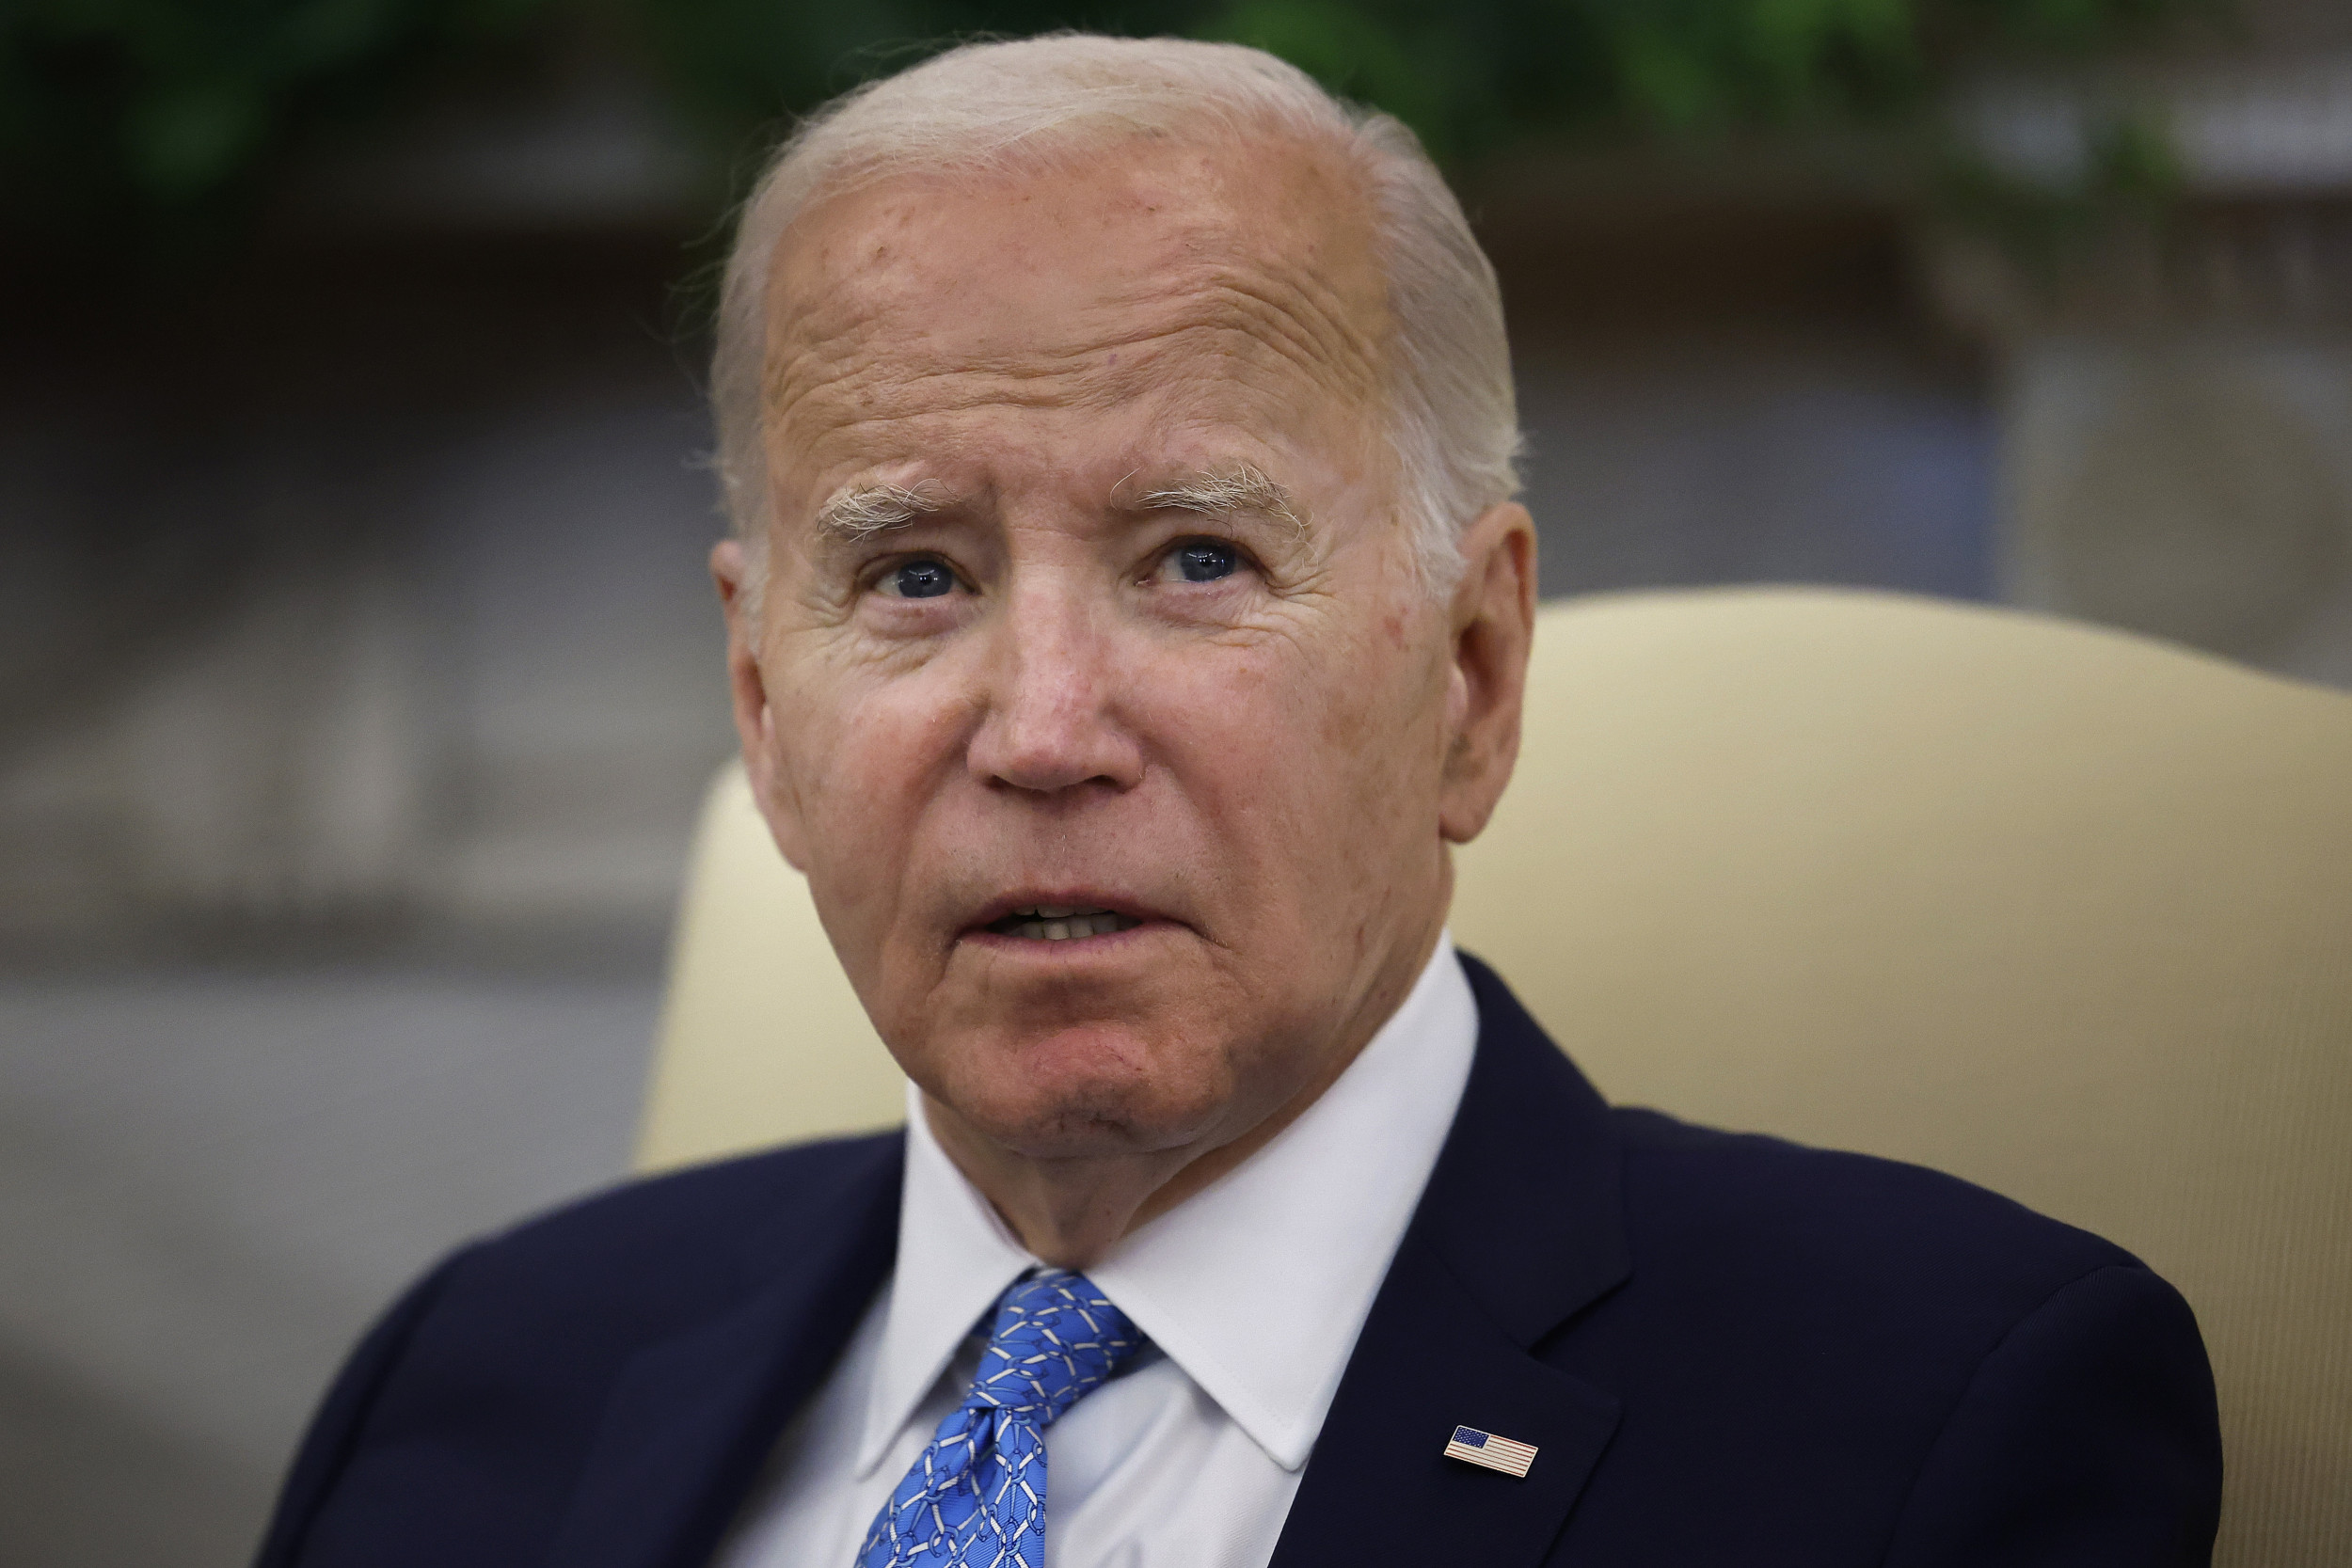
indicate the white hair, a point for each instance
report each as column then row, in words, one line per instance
column 988, row 108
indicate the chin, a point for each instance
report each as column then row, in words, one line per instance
column 1078, row 1093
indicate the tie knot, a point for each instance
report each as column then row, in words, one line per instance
column 1055, row 1337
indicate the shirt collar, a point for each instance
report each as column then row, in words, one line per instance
column 956, row 1257
column 1257, row 1284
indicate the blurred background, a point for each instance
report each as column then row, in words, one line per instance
column 358, row 673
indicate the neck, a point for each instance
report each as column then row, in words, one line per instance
column 1070, row 1211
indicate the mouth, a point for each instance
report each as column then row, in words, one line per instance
column 1060, row 922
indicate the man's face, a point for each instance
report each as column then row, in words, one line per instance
column 1086, row 592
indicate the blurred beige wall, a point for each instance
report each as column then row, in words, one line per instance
column 2196, row 486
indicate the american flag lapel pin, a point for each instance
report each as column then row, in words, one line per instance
column 1474, row 1446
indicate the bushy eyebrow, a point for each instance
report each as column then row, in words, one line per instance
column 856, row 511
column 1224, row 493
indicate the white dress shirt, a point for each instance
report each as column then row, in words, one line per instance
column 1252, row 1291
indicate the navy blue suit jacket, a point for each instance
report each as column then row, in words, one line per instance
column 1728, row 1350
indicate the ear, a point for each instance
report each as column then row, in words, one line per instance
column 1492, row 627
column 754, row 716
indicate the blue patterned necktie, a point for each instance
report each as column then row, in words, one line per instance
column 977, row 1498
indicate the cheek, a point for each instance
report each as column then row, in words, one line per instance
column 1235, row 731
column 1312, row 768
column 1383, row 744
column 862, row 758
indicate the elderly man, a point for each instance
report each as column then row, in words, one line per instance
column 1128, row 609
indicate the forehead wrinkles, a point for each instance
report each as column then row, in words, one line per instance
column 1231, row 335
column 891, row 314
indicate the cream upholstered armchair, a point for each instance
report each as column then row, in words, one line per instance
column 2063, row 912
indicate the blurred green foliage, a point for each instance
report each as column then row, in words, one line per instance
column 114, row 111
column 162, row 112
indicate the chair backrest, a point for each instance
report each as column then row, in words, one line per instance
column 2061, row 910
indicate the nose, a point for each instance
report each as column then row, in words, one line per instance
column 1051, row 723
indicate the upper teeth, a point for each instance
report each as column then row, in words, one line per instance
column 1061, row 922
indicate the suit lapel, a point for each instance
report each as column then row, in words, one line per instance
column 692, row 1419
column 1521, row 1227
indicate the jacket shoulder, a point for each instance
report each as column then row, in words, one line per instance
column 1829, row 1222
column 1799, row 1323
column 709, row 1231
column 455, row 1433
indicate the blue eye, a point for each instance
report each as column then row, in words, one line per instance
column 1205, row 563
column 922, row 579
